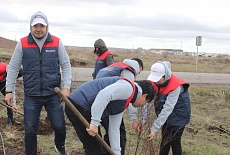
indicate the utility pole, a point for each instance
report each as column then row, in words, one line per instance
column 198, row 43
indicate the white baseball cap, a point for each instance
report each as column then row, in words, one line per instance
column 38, row 20
column 157, row 72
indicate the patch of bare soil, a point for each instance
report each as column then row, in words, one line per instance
column 12, row 142
column 12, row 137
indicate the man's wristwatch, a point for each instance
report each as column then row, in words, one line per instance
column 8, row 92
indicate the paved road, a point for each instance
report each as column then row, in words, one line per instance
column 84, row 74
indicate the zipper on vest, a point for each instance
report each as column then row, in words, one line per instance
column 41, row 82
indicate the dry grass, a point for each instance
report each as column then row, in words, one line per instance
column 207, row 133
column 85, row 58
column 210, row 109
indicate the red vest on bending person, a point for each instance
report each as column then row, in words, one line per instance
column 114, row 70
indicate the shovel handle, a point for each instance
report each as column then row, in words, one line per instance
column 5, row 105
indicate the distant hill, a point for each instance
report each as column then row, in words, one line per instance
column 7, row 43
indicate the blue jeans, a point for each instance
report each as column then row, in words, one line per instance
column 32, row 110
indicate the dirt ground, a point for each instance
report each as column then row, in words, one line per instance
column 12, row 136
column 12, row 141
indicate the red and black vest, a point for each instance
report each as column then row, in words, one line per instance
column 100, row 62
column 180, row 115
column 114, row 70
column 41, row 70
column 118, row 106
column 3, row 71
column 86, row 93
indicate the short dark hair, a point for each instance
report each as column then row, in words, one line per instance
column 147, row 88
column 139, row 62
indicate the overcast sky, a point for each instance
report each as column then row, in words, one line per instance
column 172, row 24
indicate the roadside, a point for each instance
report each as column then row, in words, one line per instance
column 208, row 79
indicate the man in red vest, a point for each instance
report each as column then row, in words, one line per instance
column 3, row 75
column 104, row 57
column 44, row 61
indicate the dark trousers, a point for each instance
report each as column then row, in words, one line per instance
column 32, row 110
column 3, row 91
column 91, row 145
column 171, row 137
column 105, row 124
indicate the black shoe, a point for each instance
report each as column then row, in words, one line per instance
column 62, row 150
column 13, row 121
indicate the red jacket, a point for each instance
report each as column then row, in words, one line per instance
column 2, row 71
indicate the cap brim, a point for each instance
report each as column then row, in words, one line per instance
column 154, row 78
column 38, row 21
